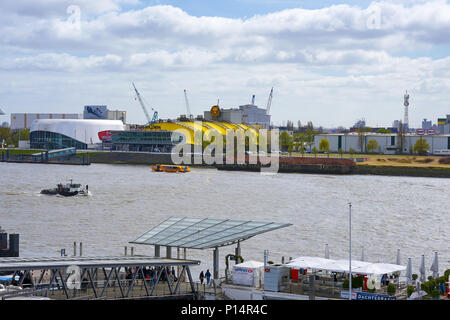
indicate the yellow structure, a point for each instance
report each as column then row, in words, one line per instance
column 206, row 127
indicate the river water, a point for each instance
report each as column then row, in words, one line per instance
column 388, row 213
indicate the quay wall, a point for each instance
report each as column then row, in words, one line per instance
column 434, row 172
column 130, row 158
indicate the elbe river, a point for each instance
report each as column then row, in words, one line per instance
column 388, row 213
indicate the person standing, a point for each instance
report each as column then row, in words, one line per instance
column 208, row 276
column 201, row 277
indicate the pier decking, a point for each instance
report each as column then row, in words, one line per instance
column 101, row 277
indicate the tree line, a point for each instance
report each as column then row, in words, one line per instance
column 11, row 138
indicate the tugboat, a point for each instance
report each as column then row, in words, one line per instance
column 171, row 168
column 67, row 190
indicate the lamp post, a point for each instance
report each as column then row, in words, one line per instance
column 350, row 250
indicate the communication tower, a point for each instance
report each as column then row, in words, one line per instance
column 406, row 104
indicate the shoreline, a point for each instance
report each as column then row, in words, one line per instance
column 314, row 166
column 307, row 165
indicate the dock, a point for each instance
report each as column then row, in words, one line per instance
column 100, row 278
column 59, row 156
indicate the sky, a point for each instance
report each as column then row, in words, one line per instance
column 329, row 62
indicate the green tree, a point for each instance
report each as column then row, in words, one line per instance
column 5, row 133
column 285, row 140
column 372, row 145
column 299, row 139
column 314, row 150
column 324, row 145
column 391, row 289
column 361, row 138
column 309, row 137
column 421, row 146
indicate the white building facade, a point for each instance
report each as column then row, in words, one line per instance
column 65, row 133
column 387, row 143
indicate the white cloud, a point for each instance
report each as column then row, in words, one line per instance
column 304, row 53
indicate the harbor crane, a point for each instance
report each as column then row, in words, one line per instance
column 189, row 114
column 269, row 101
column 155, row 113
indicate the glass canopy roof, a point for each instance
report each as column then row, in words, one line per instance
column 203, row 233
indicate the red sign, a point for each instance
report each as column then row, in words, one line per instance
column 267, row 270
column 420, row 132
column 430, row 132
column 105, row 135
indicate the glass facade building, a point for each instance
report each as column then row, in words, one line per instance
column 147, row 141
column 52, row 140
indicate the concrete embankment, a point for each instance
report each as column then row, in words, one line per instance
column 435, row 172
column 286, row 168
column 286, row 164
column 299, row 165
column 130, row 158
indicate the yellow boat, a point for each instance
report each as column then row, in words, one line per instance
column 171, row 168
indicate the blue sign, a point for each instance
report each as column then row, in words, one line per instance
column 367, row 296
column 95, row 112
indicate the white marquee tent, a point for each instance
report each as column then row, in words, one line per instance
column 358, row 267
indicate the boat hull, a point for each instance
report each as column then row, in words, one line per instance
column 171, row 168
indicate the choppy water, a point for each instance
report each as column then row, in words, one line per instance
column 388, row 213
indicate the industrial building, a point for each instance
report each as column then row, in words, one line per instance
column 67, row 133
column 145, row 141
column 21, row 121
column 246, row 114
column 387, row 143
column 444, row 125
column 102, row 112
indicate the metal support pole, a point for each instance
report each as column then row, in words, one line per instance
column 312, row 291
column 216, row 263
column 132, row 251
column 237, row 252
column 157, row 251
column 184, row 257
column 125, row 252
column 168, row 252
column 266, row 255
column 350, row 251
column 74, row 249
column 178, row 257
column 81, row 249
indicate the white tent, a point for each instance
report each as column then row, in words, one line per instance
column 379, row 268
column 309, row 263
column 248, row 273
column 359, row 267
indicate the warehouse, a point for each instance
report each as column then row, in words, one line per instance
column 20, row 121
column 387, row 143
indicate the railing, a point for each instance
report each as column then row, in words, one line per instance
column 123, row 289
column 111, row 284
column 326, row 287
